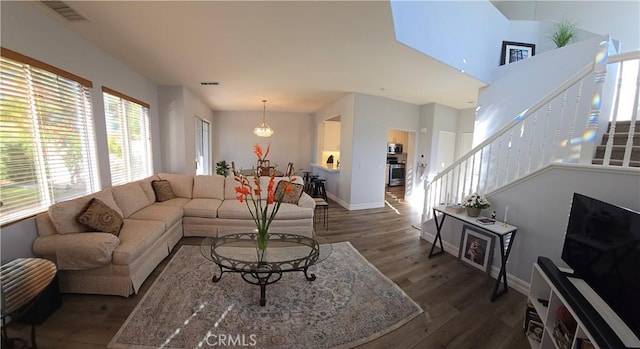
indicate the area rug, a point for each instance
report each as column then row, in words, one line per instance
column 350, row 303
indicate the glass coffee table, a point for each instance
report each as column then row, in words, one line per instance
column 237, row 253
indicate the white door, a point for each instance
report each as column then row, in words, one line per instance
column 446, row 150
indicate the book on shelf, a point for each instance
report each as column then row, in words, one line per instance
column 535, row 330
column 583, row 343
column 531, row 315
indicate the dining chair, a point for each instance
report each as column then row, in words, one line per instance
column 233, row 168
column 289, row 170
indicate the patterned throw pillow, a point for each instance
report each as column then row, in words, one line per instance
column 163, row 190
column 99, row 216
column 291, row 197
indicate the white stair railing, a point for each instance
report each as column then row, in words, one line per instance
column 624, row 109
column 561, row 128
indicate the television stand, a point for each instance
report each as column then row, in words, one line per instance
column 551, row 290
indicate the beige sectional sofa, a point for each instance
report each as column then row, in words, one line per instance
column 103, row 263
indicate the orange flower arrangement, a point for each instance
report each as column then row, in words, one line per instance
column 250, row 194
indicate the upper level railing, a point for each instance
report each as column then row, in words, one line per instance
column 563, row 127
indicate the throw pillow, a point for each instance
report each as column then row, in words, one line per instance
column 99, row 216
column 291, row 197
column 163, row 190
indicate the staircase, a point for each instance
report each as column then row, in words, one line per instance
column 620, row 141
column 556, row 130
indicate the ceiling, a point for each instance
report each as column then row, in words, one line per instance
column 299, row 55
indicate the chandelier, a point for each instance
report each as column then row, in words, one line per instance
column 263, row 130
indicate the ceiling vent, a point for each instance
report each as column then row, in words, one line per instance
column 64, row 10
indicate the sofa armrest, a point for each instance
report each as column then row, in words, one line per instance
column 77, row 251
column 306, row 201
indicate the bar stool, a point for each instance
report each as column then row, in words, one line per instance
column 310, row 188
column 323, row 205
column 306, row 180
column 318, row 189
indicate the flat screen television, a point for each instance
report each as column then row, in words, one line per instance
column 602, row 246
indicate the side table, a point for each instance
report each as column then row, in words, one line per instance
column 23, row 280
column 505, row 232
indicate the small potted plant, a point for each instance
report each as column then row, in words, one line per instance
column 563, row 33
column 475, row 203
column 222, row 168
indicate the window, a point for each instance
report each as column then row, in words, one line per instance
column 47, row 152
column 203, row 145
column 128, row 138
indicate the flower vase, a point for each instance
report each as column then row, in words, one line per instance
column 473, row 211
column 261, row 245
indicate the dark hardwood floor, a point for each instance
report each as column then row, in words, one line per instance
column 454, row 296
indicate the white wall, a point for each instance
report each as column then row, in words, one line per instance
column 374, row 117
column 453, row 31
column 172, row 128
column 195, row 107
column 435, row 118
column 27, row 30
column 291, row 141
column 518, row 86
column 339, row 185
column 620, row 19
column 539, row 206
column 466, row 124
column 178, row 108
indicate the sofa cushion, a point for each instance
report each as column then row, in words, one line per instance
column 163, row 191
column 100, row 217
column 230, row 183
column 292, row 211
column 182, row 185
column 83, row 251
column 145, row 184
column 206, row 208
column 232, row 209
column 166, row 214
column 210, row 187
column 177, row 202
column 136, row 237
column 130, row 198
column 63, row 214
column 290, row 197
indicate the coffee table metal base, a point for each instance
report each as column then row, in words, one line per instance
column 263, row 278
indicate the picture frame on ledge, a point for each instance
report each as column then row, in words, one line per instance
column 476, row 248
column 516, row 51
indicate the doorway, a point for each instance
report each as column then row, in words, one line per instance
column 398, row 169
column 203, row 147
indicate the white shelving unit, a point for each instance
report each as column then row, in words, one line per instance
column 549, row 289
column 543, row 289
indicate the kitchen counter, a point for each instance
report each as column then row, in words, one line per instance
column 324, row 167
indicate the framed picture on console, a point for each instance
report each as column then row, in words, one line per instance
column 516, row 51
column 476, row 248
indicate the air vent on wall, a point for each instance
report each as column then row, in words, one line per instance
column 64, row 10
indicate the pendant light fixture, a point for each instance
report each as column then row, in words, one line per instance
column 263, row 130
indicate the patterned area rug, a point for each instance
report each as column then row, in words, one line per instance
column 349, row 303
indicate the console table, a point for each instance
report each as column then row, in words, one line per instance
column 505, row 232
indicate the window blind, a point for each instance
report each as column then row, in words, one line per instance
column 128, row 136
column 47, row 148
